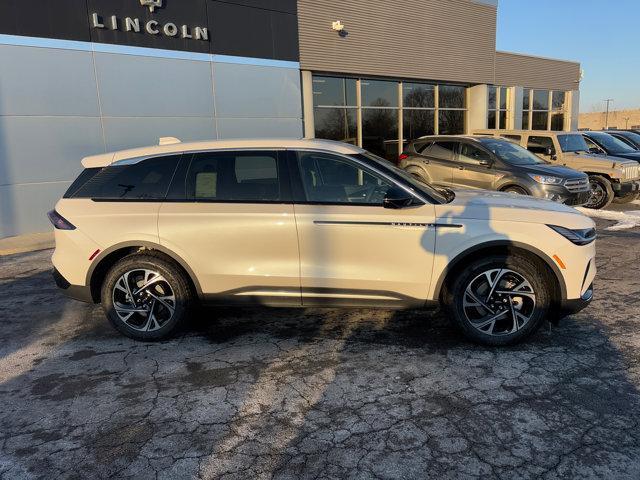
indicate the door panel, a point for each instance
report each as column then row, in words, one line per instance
column 353, row 250
column 230, row 217
column 440, row 156
column 239, row 252
column 468, row 172
column 365, row 255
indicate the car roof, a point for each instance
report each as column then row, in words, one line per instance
column 526, row 132
column 170, row 146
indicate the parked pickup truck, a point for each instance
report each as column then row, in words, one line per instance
column 611, row 178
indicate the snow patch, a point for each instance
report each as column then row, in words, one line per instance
column 625, row 220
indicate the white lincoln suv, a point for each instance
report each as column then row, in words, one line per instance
column 151, row 232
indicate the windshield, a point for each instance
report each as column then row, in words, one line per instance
column 611, row 144
column 511, row 153
column 399, row 174
column 573, row 143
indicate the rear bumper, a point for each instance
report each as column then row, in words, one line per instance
column 625, row 188
column 77, row 292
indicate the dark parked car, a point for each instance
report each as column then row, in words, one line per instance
column 629, row 137
column 492, row 164
column 604, row 143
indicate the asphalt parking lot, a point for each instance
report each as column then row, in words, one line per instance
column 318, row 393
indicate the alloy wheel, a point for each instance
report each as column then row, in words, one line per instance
column 597, row 194
column 144, row 300
column 499, row 302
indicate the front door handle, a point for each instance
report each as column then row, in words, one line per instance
column 460, row 167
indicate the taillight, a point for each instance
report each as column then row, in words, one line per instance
column 59, row 222
column 402, row 156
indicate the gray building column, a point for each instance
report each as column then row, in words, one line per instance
column 307, row 104
column 478, row 108
column 572, row 114
column 515, row 105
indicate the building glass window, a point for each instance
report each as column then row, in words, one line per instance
column 379, row 93
column 543, row 109
column 498, row 107
column 334, row 92
column 374, row 123
column 336, row 124
column 380, row 132
column 418, row 117
column 451, row 122
column 539, row 120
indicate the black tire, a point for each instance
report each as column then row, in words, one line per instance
column 516, row 189
column 601, row 193
column 628, row 198
column 511, row 267
column 175, row 284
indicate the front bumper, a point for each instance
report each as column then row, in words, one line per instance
column 569, row 307
column 560, row 194
column 626, row 187
column 77, row 292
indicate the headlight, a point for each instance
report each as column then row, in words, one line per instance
column 545, row 179
column 579, row 237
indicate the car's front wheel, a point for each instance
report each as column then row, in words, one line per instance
column 601, row 193
column 146, row 297
column 499, row 299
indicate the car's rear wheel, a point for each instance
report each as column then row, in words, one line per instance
column 601, row 193
column 498, row 300
column 628, row 198
column 146, row 297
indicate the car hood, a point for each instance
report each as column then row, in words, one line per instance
column 548, row 169
column 629, row 156
column 590, row 159
column 498, row 206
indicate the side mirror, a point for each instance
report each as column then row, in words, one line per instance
column 486, row 163
column 397, row 198
column 594, row 150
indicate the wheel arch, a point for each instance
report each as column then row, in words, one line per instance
column 512, row 183
column 415, row 166
column 502, row 247
column 107, row 258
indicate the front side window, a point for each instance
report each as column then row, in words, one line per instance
column 144, row 180
column 511, row 153
column 234, row 176
column 572, row 143
column 333, row 180
column 593, row 146
column 613, row 144
column 473, row 155
column 541, row 145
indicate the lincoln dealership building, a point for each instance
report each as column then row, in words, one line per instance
column 80, row 77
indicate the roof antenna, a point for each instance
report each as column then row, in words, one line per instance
column 169, row 141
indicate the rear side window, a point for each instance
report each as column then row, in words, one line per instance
column 234, row 176
column 442, row 150
column 540, row 145
column 86, row 175
column 144, row 180
column 516, row 138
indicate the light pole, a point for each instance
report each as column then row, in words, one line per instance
column 626, row 122
column 606, row 121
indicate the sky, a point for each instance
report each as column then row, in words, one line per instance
column 603, row 35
